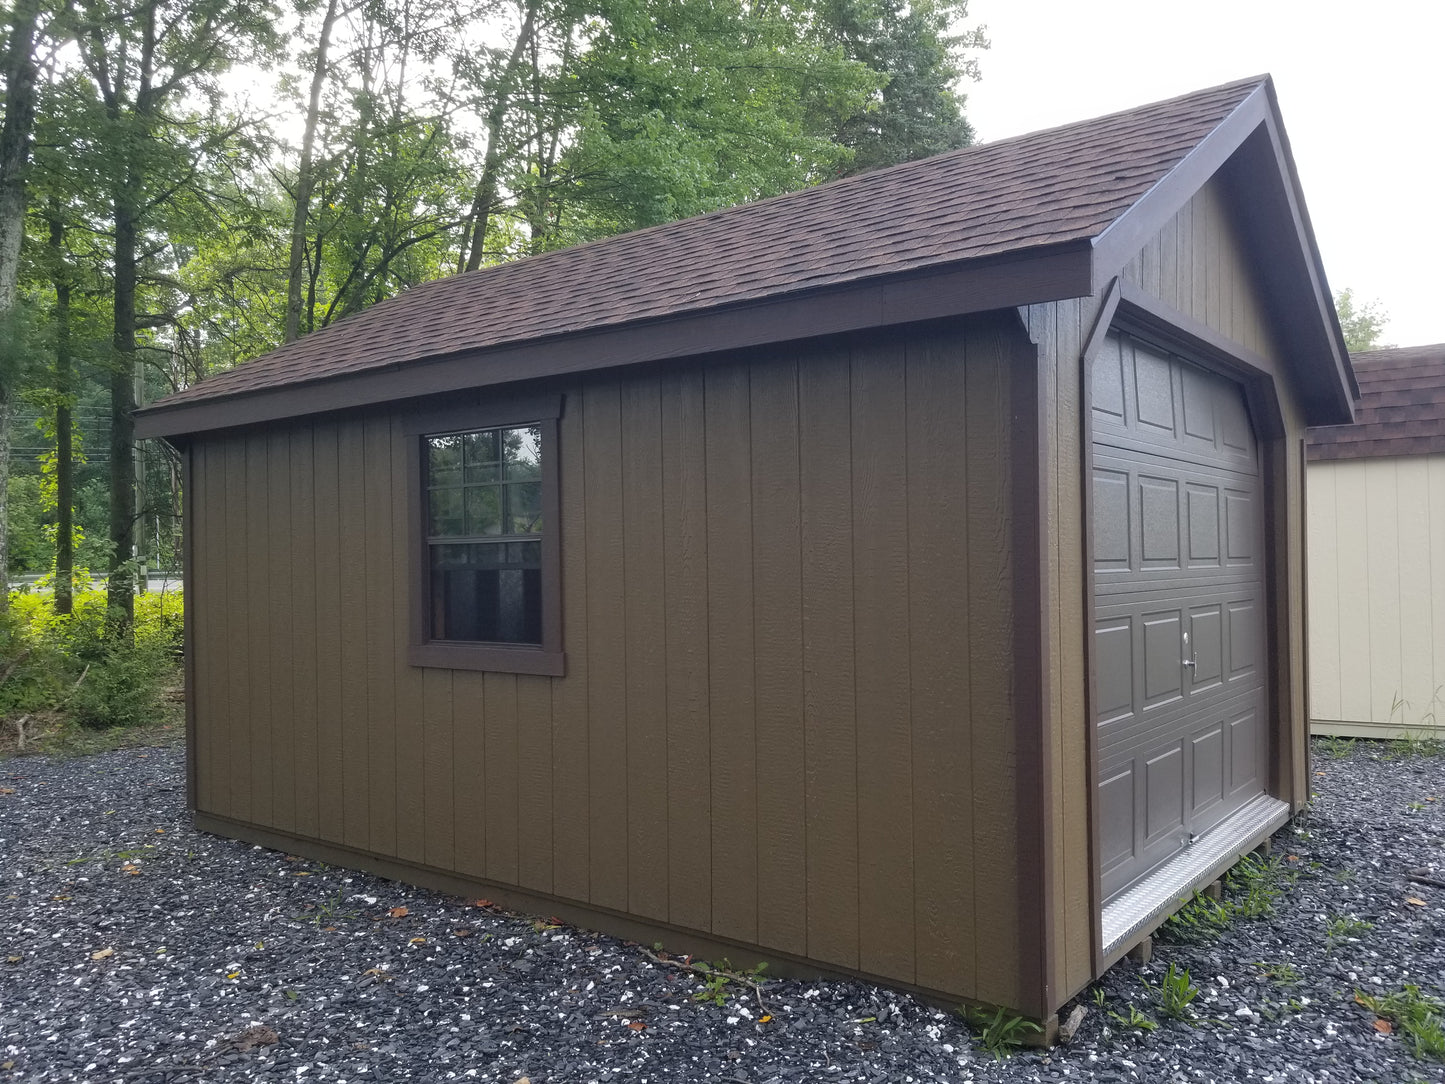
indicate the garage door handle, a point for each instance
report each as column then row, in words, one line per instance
column 1192, row 661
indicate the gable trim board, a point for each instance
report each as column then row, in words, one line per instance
column 829, row 556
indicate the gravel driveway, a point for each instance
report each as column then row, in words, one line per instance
column 133, row 949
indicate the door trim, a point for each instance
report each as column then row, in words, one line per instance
column 1128, row 309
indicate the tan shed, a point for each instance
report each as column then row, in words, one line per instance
column 1376, row 505
column 899, row 578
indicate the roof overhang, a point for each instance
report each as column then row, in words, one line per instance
column 1250, row 153
column 1033, row 276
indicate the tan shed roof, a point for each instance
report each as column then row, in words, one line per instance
column 1401, row 409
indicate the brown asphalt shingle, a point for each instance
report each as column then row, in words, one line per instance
column 1065, row 184
column 1401, row 409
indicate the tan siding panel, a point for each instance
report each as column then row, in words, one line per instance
column 778, row 657
column 274, row 558
column 384, row 751
column 606, row 640
column 239, row 761
column 212, row 609
column 418, row 829
column 990, row 630
column 439, row 808
column 945, row 918
column 330, row 551
column 469, row 775
column 646, row 648
column 534, row 782
column 828, row 703
column 1324, row 594
column 352, row 629
column 571, row 836
column 880, row 601
column 689, row 761
column 730, row 655
column 305, row 687
column 499, row 725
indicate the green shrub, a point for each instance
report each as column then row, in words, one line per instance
column 68, row 662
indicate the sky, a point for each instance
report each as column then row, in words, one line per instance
column 1361, row 88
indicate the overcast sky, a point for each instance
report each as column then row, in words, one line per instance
column 1361, row 87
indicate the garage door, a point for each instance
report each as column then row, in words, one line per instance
column 1179, row 578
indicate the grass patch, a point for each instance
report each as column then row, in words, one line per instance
column 1251, row 890
column 1418, row 1016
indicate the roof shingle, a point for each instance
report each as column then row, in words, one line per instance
column 1066, row 184
column 1401, row 409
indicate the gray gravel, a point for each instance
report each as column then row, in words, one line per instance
column 134, row 949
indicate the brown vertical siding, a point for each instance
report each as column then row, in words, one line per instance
column 787, row 717
column 777, row 602
column 730, row 654
column 1059, row 330
column 303, row 711
column 684, row 586
column 643, row 559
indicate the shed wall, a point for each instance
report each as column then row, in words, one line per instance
column 787, row 720
column 1377, row 615
column 1200, row 264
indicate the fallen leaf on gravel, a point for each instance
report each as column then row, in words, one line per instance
column 255, row 1035
column 60, row 899
column 484, row 903
column 461, row 933
column 160, row 831
column 102, row 954
column 1415, row 900
column 417, row 941
column 399, row 912
column 301, row 873
column 11, row 790
column 133, row 870
column 1383, row 1027
column 637, row 1025
column 13, row 959
column 7, row 1065
column 764, row 1019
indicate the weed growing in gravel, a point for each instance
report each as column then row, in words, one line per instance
column 1417, row 1014
column 718, row 980
column 327, row 912
column 1345, row 927
column 1001, row 1034
column 1252, row 888
column 1136, row 1019
column 1176, row 991
column 1281, row 974
column 1337, row 747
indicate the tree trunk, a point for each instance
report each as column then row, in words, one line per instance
column 486, row 194
column 15, row 137
column 306, row 181
column 120, row 593
column 64, row 435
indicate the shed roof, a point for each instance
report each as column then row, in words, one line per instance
column 1015, row 222
column 1401, row 409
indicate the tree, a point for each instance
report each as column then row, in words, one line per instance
column 16, row 134
column 143, row 61
column 1362, row 323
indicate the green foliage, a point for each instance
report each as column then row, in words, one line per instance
column 1337, row 747
column 1000, row 1033
column 1420, row 1016
column 1134, row 1019
column 1251, row 890
column 1362, row 322
column 1345, row 928
column 1176, row 991
column 719, row 981
column 1281, row 974
column 69, row 663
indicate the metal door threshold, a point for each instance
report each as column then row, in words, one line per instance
column 1141, row 908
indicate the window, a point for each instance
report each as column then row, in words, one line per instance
column 488, row 596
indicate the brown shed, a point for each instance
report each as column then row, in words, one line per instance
column 898, row 578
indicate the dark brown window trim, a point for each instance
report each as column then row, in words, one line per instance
column 488, row 411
